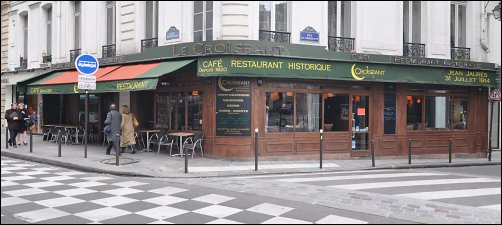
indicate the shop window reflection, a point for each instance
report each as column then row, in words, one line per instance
column 336, row 112
column 414, row 112
column 279, row 112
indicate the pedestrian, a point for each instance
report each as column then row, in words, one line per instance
column 32, row 123
column 13, row 116
column 127, row 126
column 113, row 119
column 23, row 124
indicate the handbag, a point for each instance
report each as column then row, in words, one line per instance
column 108, row 128
column 135, row 122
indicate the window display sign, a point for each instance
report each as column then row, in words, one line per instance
column 233, row 107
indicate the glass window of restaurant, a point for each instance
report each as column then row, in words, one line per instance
column 179, row 110
column 436, row 110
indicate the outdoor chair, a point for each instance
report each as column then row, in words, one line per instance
column 197, row 144
column 164, row 141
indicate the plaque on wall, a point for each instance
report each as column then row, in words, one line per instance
column 233, row 106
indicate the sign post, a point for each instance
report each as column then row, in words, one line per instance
column 87, row 65
column 494, row 97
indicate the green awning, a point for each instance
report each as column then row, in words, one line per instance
column 134, row 77
column 252, row 66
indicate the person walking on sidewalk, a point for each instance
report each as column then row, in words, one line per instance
column 13, row 116
column 114, row 119
column 127, row 125
column 23, row 124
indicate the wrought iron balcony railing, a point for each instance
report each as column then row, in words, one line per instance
column 148, row 43
column 459, row 53
column 46, row 58
column 341, row 44
column 74, row 54
column 414, row 49
column 109, row 51
column 23, row 63
column 275, row 36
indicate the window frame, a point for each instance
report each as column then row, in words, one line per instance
column 154, row 20
column 204, row 29
column 111, row 5
column 342, row 27
column 411, row 27
column 48, row 27
column 455, row 34
column 77, row 25
column 273, row 11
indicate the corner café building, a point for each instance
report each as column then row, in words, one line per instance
column 288, row 92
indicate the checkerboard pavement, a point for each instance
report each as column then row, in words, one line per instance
column 38, row 193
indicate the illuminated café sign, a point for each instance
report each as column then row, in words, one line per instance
column 209, row 48
column 133, row 85
column 40, row 90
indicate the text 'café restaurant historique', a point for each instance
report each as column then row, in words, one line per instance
column 227, row 89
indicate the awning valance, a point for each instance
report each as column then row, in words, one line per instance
column 134, row 77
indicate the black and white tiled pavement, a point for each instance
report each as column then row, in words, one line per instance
column 37, row 193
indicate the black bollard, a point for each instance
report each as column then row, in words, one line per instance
column 320, row 148
column 31, row 140
column 449, row 150
column 186, row 159
column 409, row 151
column 117, row 150
column 59, row 144
column 372, row 153
column 256, row 149
column 6, row 138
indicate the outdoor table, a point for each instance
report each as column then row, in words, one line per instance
column 181, row 135
column 148, row 137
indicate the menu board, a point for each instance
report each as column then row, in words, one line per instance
column 389, row 112
column 233, row 106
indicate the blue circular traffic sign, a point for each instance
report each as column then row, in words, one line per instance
column 87, row 64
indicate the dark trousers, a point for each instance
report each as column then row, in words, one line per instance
column 12, row 136
column 110, row 146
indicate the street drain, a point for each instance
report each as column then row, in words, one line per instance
column 123, row 161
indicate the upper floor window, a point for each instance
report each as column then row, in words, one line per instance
column 458, row 24
column 339, row 18
column 152, row 18
column 274, row 15
column 48, row 22
column 110, row 22
column 203, row 21
column 25, row 37
column 412, row 21
column 77, row 19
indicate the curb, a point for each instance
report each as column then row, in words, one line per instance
column 251, row 173
column 71, row 165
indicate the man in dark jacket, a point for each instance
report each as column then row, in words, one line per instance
column 13, row 116
column 113, row 118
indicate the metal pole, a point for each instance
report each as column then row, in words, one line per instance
column 186, row 158
column 320, row 149
column 31, row 140
column 59, row 143
column 256, row 149
column 449, row 150
column 490, row 141
column 86, row 121
column 372, row 153
column 6, row 138
column 117, row 151
column 409, row 151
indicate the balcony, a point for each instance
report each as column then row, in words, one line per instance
column 23, row 63
column 413, row 50
column 459, row 53
column 275, row 36
column 341, row 44
column 46, row 58
column 148, row 43
column 108, row 51
column 74, row 54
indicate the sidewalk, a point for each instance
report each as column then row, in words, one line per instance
column 151, row 164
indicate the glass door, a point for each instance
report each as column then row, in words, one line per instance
column 360, row 122
column 178, row 111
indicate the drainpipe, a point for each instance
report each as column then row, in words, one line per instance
column 484, row 19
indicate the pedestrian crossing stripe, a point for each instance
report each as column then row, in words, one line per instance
column 433, row 195
column 354, row 177
column 413, row 183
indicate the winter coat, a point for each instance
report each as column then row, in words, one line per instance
column 127, row 136
column 114, row 119
column 11, row 123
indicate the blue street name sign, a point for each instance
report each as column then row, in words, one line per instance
column 87, row 64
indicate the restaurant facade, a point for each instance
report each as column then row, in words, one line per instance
column 288, row 92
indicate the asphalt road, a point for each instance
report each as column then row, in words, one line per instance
column 38, row 193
